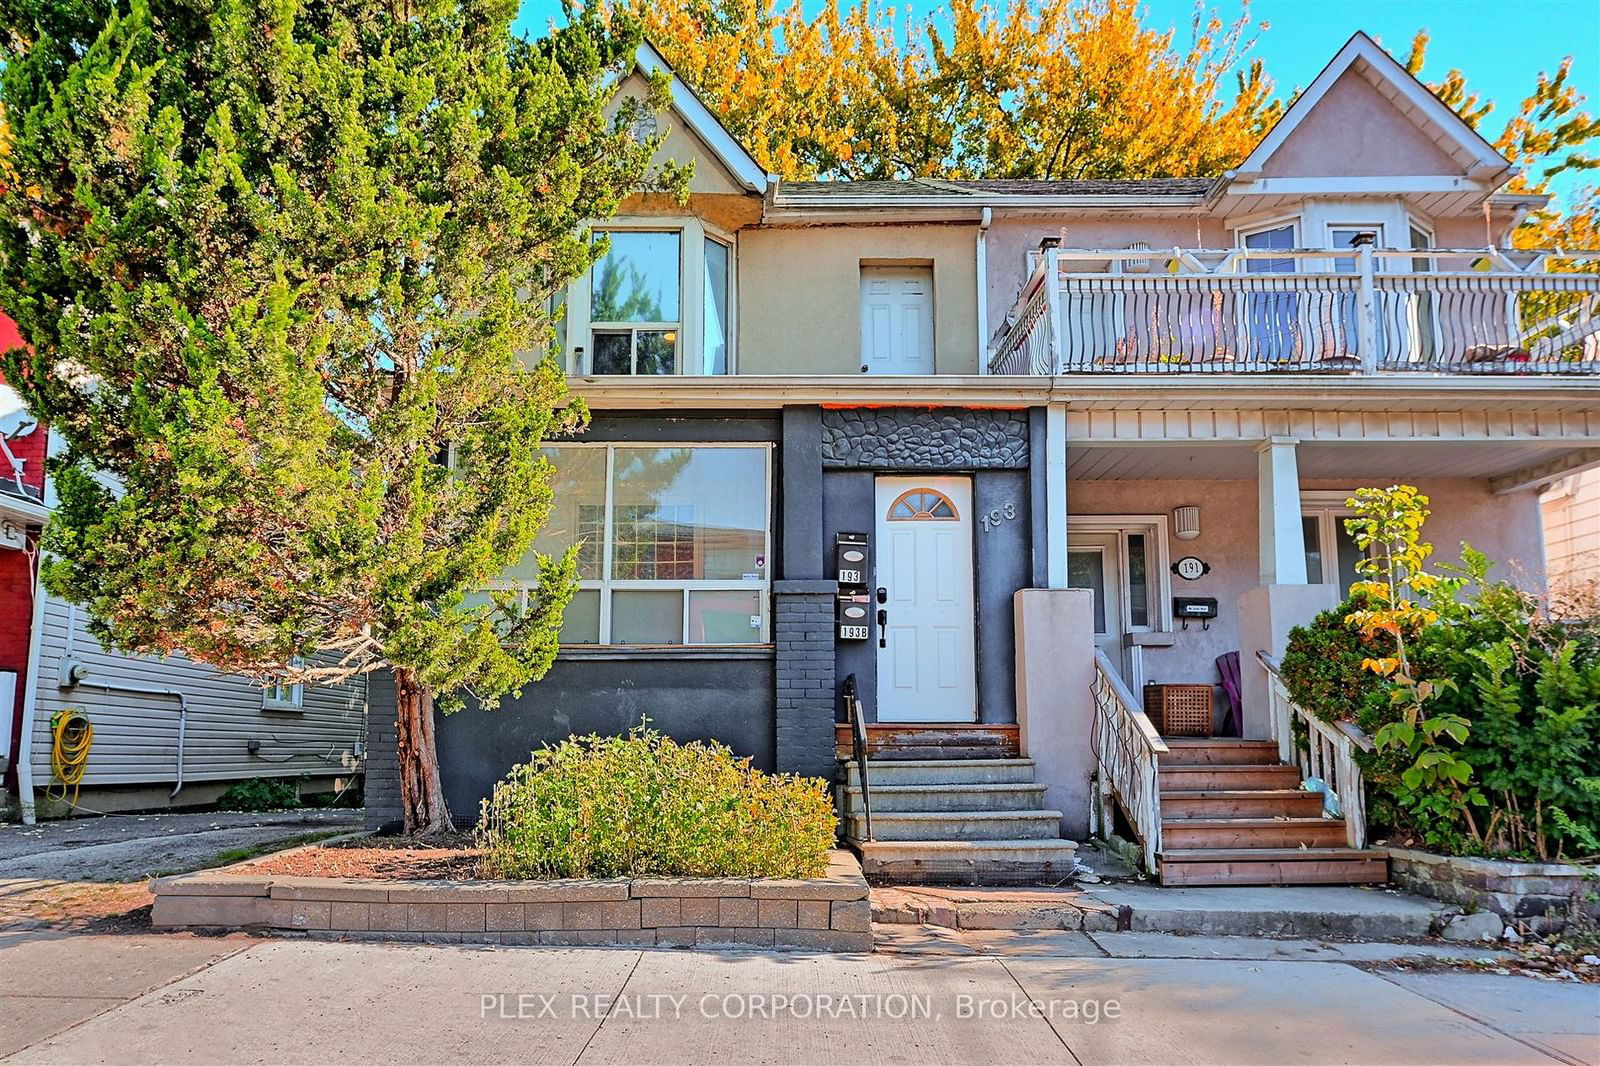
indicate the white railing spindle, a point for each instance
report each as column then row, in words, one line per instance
column 1329, row 752
column 1128, row 753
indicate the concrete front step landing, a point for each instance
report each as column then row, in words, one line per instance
column 1009, row 796
column 941, row 772
column 955, row 821
column 958, row 825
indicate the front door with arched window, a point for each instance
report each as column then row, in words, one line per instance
column 924, row 587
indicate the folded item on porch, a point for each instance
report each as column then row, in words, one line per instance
column 1233, row 688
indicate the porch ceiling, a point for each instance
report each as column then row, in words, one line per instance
column 1318, row 461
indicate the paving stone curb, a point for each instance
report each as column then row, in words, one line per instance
column 829, row 913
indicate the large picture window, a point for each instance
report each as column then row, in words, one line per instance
column 673, row 542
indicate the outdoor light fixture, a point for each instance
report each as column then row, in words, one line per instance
column 1186, row 522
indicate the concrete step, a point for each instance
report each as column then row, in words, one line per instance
column 957, row 825
column 942, row 772
column 1227, row 778
column 1008, row 796
column 991, row 862
column 1213, row 833
column 1272, row 866
column 1215, row 751
column 1264, row 803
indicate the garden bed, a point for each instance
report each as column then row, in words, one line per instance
column 363, row 889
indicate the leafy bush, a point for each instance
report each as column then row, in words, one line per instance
column 261, row 794
column 1530, row 686
column 1321, row 668
column 645, row 805
column 1527, row 687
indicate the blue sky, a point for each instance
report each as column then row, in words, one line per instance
column 1500, row 45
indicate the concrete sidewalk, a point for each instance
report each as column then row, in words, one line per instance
column 289, row 1001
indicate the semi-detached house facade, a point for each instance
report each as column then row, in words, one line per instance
column 843, row 431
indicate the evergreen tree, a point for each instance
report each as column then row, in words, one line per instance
column 281, row 266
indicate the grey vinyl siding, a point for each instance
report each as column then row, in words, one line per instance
column 136, row 735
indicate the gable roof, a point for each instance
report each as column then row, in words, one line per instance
column 705, row 125
column 1478, row 158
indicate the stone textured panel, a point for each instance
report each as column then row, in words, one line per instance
column 906, row 438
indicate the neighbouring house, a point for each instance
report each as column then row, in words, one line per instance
column 168, row 732
column 1572, row 530
column 986, row 458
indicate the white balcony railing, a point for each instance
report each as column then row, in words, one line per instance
column 1127, row 751
column 1305, row 310
column 1323, row 750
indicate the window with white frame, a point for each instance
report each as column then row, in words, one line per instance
column 282, row 696
column 673, row 542
column 1331, row 552
column 659, row 301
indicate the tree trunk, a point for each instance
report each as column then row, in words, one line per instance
column 421, row 793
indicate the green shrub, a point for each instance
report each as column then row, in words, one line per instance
column 645, row 805
column 1530, row 686
column 1321, row 668
column 261, row 794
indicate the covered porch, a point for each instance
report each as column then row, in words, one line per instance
column 1204, row 536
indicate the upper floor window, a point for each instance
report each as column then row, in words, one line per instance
column 659, row 301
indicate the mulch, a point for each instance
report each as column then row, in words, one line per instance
column 451, row 858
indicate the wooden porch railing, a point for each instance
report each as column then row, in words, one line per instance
column 1127, row 751
column 1365, row 311
column 1329, row 751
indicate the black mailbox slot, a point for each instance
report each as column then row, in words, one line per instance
column 852, row 616
column 1200, row 609
column 850, row 562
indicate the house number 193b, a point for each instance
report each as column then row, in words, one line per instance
column 995, row 515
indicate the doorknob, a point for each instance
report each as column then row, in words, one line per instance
column 883, row 627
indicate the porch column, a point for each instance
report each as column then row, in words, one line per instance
column 1283, row 545
column 1055, row 495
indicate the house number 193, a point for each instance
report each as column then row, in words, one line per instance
column 995, row 515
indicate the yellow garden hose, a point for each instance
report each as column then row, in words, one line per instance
column 71, row 733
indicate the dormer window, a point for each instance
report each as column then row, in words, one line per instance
column 658, row 302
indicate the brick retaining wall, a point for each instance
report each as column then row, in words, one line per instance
column 830, row 913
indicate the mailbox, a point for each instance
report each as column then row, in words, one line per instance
column 850, row 560
column 852, row 616
column 1200, row 609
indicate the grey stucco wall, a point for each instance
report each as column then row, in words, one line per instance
column 721, row 696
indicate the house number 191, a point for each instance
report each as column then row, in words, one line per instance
column 995, row 515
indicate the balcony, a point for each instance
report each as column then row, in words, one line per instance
column 1366, row 311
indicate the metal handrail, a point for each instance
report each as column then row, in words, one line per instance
column 858, row 740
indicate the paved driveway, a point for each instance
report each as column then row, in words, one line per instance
column 289, row 1001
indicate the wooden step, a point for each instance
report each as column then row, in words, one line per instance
column 1272, row 866
column 1249, row 803
column 1227, row 778
column 1213, row 751
column 1225, row 833
column 932, row 740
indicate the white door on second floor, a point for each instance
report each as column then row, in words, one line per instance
column 896, row 320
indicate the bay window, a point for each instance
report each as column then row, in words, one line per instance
column 659, row 301
column 673, row 542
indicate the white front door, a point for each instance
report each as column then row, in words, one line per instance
column 926, row 648
column 897, row 320
column 1094, row 561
